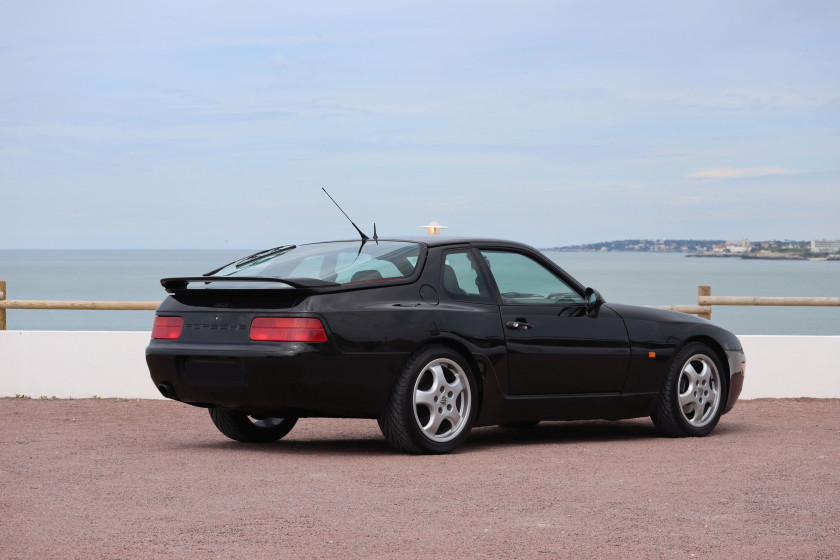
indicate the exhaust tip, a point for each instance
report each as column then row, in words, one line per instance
column 167, row 390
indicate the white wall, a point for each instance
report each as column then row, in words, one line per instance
column 81, row 364
column 791, row 366
column 77, row 364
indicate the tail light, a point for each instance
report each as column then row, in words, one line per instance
column 168, row 328
column 287, row 329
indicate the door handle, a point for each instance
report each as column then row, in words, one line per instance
column 519, row 325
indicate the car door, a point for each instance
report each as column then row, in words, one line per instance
column 555, row 345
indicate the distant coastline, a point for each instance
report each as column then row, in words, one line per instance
column 767, row 256
column 711, row 248
column 644, row 246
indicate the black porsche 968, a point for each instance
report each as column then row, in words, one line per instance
column 429, row 337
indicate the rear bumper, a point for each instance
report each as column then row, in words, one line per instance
column 291, row 379
column 735, row 359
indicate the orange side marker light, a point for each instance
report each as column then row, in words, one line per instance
column 651, row 354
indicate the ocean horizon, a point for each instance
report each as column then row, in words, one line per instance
column 646, row 278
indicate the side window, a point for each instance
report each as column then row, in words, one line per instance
column 462, row 279
column 524, row 281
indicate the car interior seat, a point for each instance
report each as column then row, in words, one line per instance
column 366, row 276
column 450, row 281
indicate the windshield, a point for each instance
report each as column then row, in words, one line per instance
column 341, row 262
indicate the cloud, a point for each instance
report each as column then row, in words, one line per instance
column 623, row 185
column 687, row 201
column 723, row 173
column 431, row 157
column 14, row 152
column 771, row 98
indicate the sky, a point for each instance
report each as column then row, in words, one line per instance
column 214, row 125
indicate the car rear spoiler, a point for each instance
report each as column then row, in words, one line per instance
column 174, row 285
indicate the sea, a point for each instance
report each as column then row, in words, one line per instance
column 635, row 278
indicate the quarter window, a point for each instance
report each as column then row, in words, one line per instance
column 461, row 278
column 523, row 281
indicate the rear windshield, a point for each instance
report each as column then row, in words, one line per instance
column 342, row 262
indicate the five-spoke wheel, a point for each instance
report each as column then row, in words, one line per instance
column 691, row 400
column 442, row 400
column 699, row 390
column 432, row 407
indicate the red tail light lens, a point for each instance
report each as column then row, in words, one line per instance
column 168, row 328
column 287, row 329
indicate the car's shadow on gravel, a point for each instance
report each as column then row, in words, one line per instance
column 338, row 446
column 484, row 438
column 592, row 431
column 562, row 433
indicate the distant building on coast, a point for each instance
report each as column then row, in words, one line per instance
column 737, row 246
column 825, row 246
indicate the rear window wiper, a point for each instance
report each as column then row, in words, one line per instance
column 239, row 263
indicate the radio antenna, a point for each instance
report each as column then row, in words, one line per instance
column 364, row 237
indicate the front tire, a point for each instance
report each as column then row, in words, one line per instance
column 691, row 400
column 240, row 426
column 433, row 405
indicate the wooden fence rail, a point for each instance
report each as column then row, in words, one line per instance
column 779, row 301
column 703, row 309
column 83, row 305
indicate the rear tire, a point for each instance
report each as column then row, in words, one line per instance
column 240, row 426
column 691, row 400
column 433, row 404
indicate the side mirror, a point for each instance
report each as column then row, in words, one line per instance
column 593, row 301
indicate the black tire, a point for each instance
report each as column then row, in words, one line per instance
column 433, row 405
column 247, row 429
column 692, row 396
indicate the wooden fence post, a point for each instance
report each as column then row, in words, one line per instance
column 2, row 309
column 704, row 291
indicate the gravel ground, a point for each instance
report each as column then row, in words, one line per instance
column 154, row 479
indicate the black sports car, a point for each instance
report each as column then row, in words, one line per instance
column 430, row 337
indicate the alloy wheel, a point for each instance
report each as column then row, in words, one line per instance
column 442, row 400
column 699, row 390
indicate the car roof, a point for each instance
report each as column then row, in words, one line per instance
column 441, row 241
